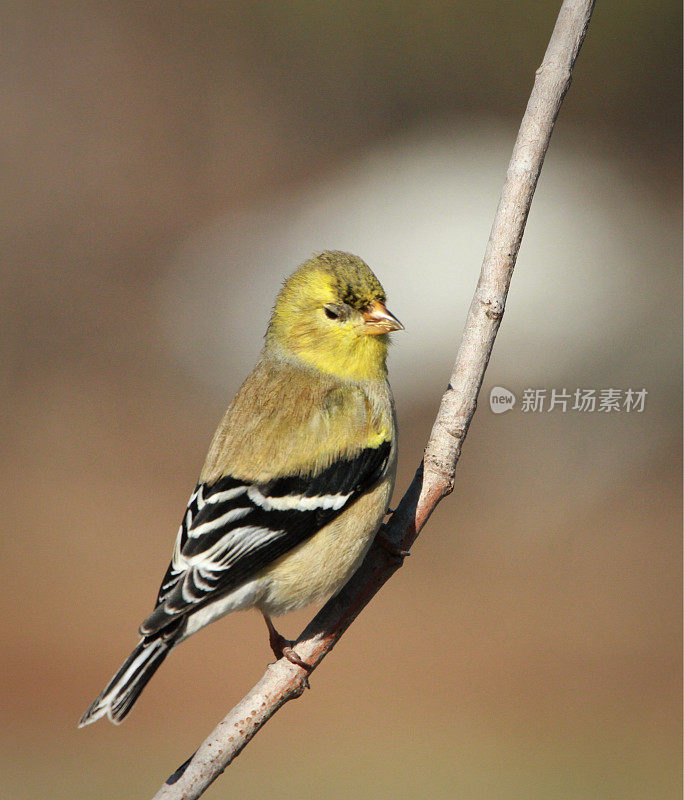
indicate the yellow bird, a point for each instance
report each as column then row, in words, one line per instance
column 298, row 477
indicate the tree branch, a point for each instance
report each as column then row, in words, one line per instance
column 434, row 479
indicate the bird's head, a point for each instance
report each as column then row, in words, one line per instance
column 331, row 315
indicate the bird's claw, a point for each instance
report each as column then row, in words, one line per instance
column 390, row 546
column 283, row 648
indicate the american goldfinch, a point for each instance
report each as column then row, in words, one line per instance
column 298, row 477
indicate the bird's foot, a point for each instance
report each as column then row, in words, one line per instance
column 283, row 648
column 386, row 543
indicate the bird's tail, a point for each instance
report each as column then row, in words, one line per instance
column 118, row 696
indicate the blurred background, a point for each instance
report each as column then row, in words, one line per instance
column 165, row 165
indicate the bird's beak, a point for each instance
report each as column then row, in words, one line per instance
column 377, row 319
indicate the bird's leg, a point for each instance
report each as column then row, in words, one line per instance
column 382, row 539
column 282, row 646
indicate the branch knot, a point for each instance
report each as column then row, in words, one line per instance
column 493, row 307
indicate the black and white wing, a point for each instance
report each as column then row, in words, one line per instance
column 232, row 529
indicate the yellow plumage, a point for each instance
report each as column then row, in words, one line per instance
column 298, row 476
column 319, row 392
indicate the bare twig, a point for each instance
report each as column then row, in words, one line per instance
column 434, row 479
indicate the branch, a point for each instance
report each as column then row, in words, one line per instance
column 434, row 479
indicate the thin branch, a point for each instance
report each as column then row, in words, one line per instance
column 434, row 479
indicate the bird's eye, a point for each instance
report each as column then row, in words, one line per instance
column 332, row 311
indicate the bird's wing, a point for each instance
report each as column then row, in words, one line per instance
column 234, row 528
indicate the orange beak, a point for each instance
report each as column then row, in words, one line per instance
column 379, row 320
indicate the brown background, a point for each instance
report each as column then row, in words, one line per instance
column 164, row 166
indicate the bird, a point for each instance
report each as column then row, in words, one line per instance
column 298, row 477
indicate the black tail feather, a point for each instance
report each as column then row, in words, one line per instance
column 119, row 695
